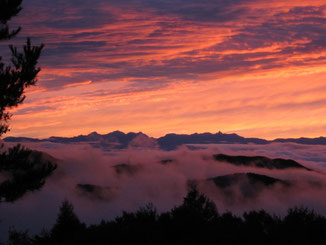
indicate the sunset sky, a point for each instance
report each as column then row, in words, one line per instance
column 252, row 67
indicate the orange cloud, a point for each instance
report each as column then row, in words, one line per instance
column 256, row 68
column 78, row 84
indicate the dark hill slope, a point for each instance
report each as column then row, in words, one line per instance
column 259, row 162
column 252, row 178
column 235, row 188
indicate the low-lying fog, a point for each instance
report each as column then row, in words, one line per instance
column 103, row 184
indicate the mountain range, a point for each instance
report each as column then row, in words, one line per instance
column 120, row 140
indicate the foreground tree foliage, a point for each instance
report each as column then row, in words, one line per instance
column 196, row 221
column 23, row 70
column 68, row 226
column 24, row 170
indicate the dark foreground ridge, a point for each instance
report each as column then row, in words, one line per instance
column 120, row 140
column 259, row 162
column 196, row 221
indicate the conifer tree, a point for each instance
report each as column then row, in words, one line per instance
column 23, row 70
column 68, row 224
column 27, row 170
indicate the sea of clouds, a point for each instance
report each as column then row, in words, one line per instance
column 162, row 178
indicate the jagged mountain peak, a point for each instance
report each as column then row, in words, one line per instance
column 170, row 141
column 93, row 134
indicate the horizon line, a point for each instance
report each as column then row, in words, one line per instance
column 140, row 132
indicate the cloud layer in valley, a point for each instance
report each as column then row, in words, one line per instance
column 103, row 184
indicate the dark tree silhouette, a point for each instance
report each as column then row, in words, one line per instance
column 259, row 227
column 27, row 171
column 19, row 238
column 193, row 218
column 22, row 73
column 195, row 222
column 67, row 226
column 197, row 208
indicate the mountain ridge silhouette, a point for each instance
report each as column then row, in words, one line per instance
column 121, row 140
